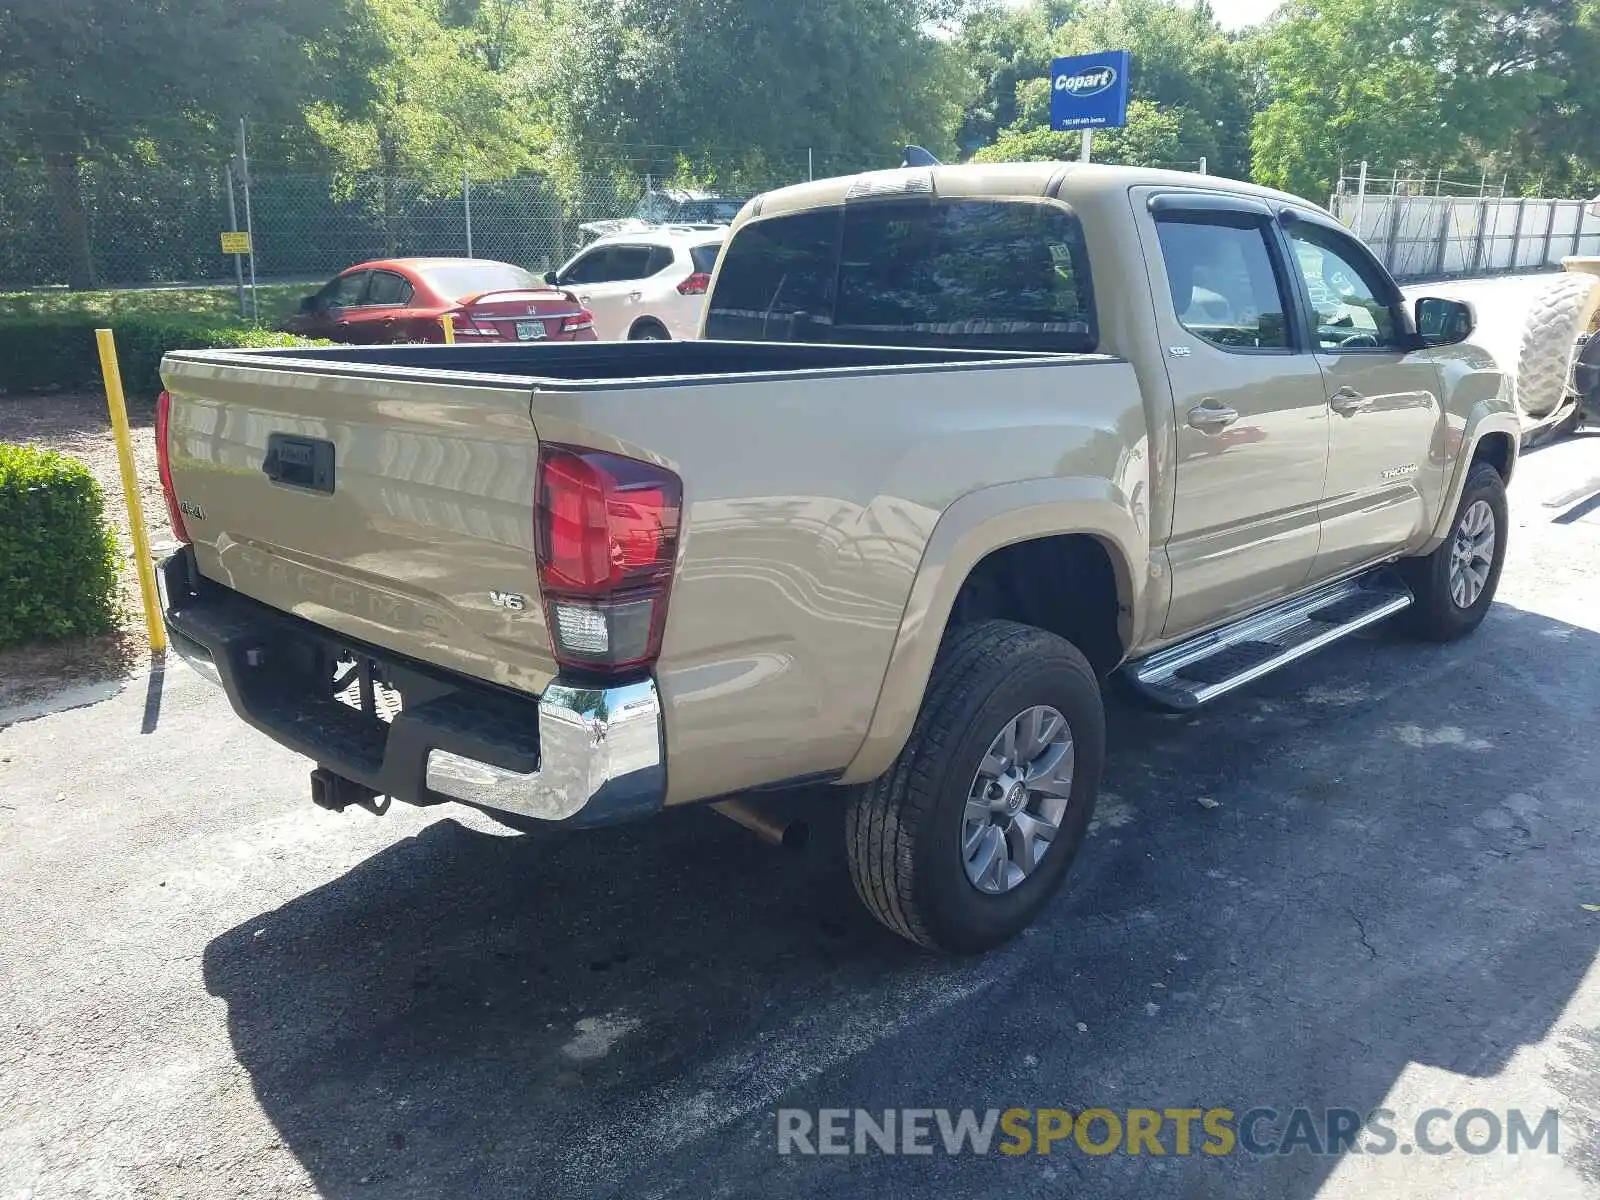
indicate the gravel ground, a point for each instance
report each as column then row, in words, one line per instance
column 209, row 987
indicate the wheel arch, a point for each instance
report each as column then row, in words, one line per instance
column 1493, row 437
column 1071, row 529
column 648, row 323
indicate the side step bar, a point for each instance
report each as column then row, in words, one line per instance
column 1187, row 675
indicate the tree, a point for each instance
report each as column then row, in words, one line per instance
column 1153, row 137
column 1003, row 48
column 1460, row 84
column 106, row 81
column 1184, row 68
column 432, row 90
column 739, row 89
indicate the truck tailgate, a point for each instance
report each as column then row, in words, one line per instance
column 396, row 512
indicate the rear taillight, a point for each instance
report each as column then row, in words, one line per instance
column 606, row 541
column 577, row 324
column 164, row 466
column 472, row 324
column 696, row 285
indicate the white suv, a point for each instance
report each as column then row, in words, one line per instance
column 645, row 284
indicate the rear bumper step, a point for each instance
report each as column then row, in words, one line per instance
column 578, row 755
column 1189, row 674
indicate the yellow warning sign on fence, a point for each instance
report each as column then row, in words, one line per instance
column 236, row 243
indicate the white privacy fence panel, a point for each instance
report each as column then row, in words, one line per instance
column 1419, row 236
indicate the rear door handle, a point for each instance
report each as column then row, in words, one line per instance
column 1211, row 417
column 636, row 296
column 1347, row 402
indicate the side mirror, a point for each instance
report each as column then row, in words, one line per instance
column 1442, row 322
column 308, row 304
column 550, row 278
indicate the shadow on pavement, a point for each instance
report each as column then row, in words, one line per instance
column 1393, row 876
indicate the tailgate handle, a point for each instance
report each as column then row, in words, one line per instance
column 299, row 462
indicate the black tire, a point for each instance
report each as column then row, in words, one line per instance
column 903, row 830
column 648, row 331
column 1436, row 617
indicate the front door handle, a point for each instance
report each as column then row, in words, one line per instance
column 1347, row 402
column 636, row 296
column 1211, row 417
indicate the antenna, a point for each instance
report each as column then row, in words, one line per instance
column 916, row 156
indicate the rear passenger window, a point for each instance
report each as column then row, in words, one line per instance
column 660, row 259
column 632, row 262
column 997, row 275
column 388, row 288
column 1224, row 287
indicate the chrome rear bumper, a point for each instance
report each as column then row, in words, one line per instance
column 579, row 755
column 600, row 747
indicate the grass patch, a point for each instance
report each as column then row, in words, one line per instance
column 58, row 352
column 212, row 304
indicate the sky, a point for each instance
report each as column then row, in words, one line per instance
column 1233, row 14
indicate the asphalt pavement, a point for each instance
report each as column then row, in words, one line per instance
column 1361, row 884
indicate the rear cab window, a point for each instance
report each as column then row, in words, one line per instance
column 983, row 274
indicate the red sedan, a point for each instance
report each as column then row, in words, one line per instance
column 406, row 300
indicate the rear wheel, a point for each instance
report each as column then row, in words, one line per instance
column 649, row 331
column 972, row 830
column 1455, row 585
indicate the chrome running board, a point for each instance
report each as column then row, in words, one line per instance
column 1192, row 672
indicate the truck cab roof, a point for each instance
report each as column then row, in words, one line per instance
column 1076, row 183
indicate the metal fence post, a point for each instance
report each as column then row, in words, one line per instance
column 1394, row 224
column 233, row 225
column 1577, row 229
column 1516, row 237
column 1549, row 232
column 249, row 225
column 466, row 203
column 1480, row 234
column 1361, row 200
column 1446, row 213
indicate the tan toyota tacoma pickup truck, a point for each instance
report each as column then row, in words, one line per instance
column 962, row 443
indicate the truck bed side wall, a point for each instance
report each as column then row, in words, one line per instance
column 809, row 508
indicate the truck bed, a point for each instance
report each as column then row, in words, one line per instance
column 648, row 362
column 812, row 479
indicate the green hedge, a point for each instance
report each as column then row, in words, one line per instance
column 58, row 561
column 58, row 352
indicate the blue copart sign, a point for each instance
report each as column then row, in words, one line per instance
column 1090, row 91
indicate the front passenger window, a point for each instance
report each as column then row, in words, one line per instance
column 593, row 267
column 1224, row 289
column 1350, row 304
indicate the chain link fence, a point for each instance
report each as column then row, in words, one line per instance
column 152, row 227
column 147, row 227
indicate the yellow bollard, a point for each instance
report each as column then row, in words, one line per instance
column 449, row 324
column 130, row 490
